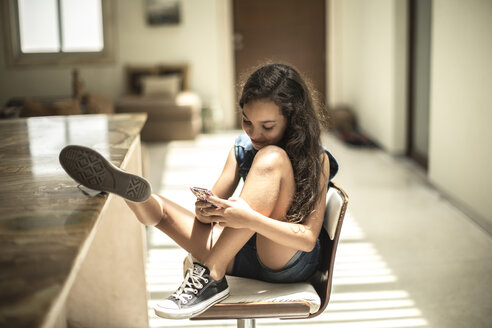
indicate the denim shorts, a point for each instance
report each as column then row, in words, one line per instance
column 299, row 268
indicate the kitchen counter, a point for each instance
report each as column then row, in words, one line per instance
column 67, row 258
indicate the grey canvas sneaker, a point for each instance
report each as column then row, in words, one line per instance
column 197, row 293
column 92, row 170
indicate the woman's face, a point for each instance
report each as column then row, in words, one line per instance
column 263, row 122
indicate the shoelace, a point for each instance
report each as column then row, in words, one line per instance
column 191, row 284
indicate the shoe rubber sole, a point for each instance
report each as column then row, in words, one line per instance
column 192, row 311
column 92, row 170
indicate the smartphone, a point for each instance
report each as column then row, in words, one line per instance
column 201, row 193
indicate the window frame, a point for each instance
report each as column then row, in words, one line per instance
column 15, row 57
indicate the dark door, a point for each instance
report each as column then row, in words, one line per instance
column 419, row 83
column 287, row 31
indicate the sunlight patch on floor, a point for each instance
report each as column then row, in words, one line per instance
column 359, row 265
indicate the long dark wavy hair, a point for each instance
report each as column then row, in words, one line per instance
column 284, row 86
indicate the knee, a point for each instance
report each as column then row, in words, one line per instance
column 271, row 158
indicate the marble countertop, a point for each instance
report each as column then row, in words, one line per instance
column 44, row 217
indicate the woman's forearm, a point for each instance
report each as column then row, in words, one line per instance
column 228, row 179
column 295, row 235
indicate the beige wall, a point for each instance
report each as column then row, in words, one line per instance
column 368, row 66
column 202, row 39
column 367, row 71
column 461, row 103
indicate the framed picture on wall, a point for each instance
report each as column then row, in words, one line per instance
column 161, row 12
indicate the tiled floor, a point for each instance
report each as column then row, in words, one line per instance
column 407, row 257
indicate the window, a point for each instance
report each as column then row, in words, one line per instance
column 58, row 31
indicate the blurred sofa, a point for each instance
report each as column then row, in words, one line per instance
column 162, row 91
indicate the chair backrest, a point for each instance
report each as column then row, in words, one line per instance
column 336, row 206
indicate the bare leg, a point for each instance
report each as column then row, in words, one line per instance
column 268, row 189
column 92, row 170
column 176, row 222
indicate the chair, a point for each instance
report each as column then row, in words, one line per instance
column 252, row 299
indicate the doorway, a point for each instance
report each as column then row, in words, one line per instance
column 419, row 81
column 286, row 31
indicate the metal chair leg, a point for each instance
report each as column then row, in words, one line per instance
column 246, row 323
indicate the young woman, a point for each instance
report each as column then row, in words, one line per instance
column 271, row 231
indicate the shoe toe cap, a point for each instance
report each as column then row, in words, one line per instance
column 167, row 305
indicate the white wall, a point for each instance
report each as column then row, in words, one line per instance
column 368, row 63
column 202, row 39
column 461, row 103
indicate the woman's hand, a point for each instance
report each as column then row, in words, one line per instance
column 202, row 213
column 233, row 213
